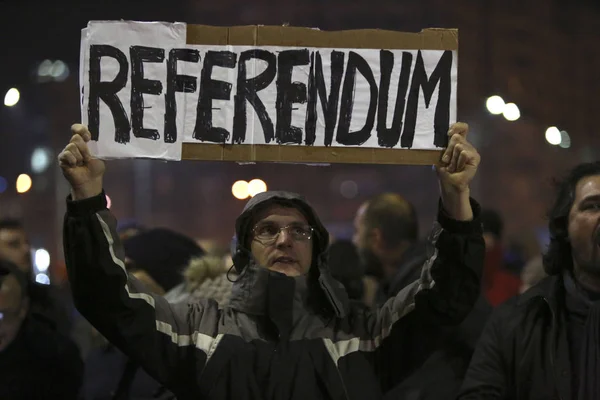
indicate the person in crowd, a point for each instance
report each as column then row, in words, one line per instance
column 345, row 266
column 498, row 282
column 386, row 232
column 206, row 277
column 47, row 305
column 36, row 361
column 545, row 343
column 288, row 331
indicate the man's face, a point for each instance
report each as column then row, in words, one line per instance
column 290, row 252
column 364, row 245
column 13, row 309
column 584, row 226
column 14, row 247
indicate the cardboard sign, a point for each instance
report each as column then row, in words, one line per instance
column 267, row 93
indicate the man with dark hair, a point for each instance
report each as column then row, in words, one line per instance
column 35, row 362
column 288, row 331
column 386, row 231
column 546, row 343
column 46, row 304
column 14, row 245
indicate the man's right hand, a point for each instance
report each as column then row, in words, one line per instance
column 83, row 172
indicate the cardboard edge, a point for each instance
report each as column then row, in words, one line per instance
column 290, row 36
column 307, row 154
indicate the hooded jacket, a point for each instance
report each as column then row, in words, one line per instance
column 279, row 337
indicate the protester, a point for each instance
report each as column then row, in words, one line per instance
column 287, row 332
column 206, row 277
column 346, row 268
column 47, row 304
column 499, row 283
column 544, row 344
column 36, row 362
column 387, row 237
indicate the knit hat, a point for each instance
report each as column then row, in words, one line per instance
column 163, row 254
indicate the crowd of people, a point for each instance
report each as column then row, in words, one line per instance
column 290, row 312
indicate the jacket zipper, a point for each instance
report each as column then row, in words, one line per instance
column 552, row 361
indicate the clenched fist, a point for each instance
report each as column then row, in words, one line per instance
column 83, row 172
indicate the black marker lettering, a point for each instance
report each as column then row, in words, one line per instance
column 288, row 93
column 211, row 89
column 440, row 75
column 344, row 136
column 177, row 83
column 247, row 91
column 316, row 89
column 107, row 91
column 140, row 86
column 388, row 137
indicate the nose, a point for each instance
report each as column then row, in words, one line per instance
column 284, row 238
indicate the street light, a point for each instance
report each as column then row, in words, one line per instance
column 23, row 183
column 511, row 112
column 240, row 190
column 553, row 136
column 256, row 186
column 495, row 105
column 12, row 97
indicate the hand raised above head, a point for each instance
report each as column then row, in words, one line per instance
column 459, row 161
column 83, row 172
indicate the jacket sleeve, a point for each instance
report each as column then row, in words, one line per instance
column 487, row 377
column 170, row 342
column 409, row 326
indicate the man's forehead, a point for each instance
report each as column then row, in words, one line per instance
column 277, row 212
column 588, row 186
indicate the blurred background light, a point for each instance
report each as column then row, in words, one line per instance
column 511, row 112
column 40, row 159
column 23, row 183
column 240, row 190
column 553, row 135
column 12, row 97
column 42, row 260
column 256, row 186
column 495, row 105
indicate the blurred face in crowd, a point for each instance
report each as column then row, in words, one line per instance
column 363, row 240
column 13, row 309
column 14, row 247
column 282, row 241
column 584, row 227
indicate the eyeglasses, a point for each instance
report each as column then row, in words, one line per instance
column 267, row 233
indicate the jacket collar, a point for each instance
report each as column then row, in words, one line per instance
column 549, row 288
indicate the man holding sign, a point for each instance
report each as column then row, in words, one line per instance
column 288, row 332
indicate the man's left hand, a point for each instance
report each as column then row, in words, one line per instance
column 456, row 171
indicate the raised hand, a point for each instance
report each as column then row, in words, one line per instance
column 80, row 168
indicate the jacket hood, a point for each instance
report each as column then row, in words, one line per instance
column 319, row 273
